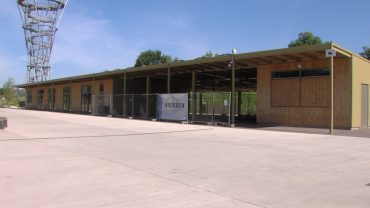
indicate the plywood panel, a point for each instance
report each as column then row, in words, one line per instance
column 342, row 93
column 315, row 92
column 285, row 92
column 315, row 117
column 286, row 116
column 263, row 94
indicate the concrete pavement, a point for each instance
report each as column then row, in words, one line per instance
column 64, row 160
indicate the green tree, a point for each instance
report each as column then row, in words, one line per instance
column 8, row 91
column 210, row 54
column 9, row 95
column 366, row 52
column 306, row 38
column 152, row 57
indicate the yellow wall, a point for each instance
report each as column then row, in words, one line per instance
column 360, row 75
column 298, row 112
column 75, row 94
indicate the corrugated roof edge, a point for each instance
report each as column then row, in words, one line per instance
column 301, row 49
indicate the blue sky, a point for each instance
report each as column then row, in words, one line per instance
column 97, row 35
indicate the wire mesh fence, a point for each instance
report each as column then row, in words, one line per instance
column 101, row 104
column 212, row 107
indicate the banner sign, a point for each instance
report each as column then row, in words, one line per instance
column 172, row 107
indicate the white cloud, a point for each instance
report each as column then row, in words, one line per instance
column 90, row 43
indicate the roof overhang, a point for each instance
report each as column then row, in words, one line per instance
column 245, row 60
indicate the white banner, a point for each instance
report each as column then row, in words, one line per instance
column 172, row 107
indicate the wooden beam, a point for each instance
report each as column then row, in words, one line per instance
column 243, row 64
column 278, row 59
column 271, row 59
column 311, row 56
column 204, row 67
column 263, row 61
column 217, row 65
column 293, row 57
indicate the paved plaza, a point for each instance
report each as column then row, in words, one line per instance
column 62, row 160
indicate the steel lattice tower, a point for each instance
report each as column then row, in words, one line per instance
column 40, row 20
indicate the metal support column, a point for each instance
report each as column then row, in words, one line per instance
column 331, row 95
column 70, row 96
column 194, row 95
column 213, row 106
column 147, row 95
column 232, row 104
column 168, row 79
column 96, row 97
column 124, row 94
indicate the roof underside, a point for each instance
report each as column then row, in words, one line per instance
column 220, row 63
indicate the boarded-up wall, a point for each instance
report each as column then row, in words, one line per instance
column 315, row 91
column 304, row 102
